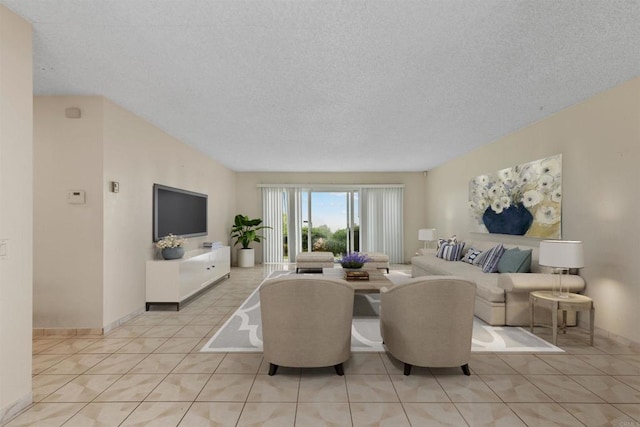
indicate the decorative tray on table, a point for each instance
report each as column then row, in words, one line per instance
column 356, row 275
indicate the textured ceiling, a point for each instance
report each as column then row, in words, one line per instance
column 277, row 85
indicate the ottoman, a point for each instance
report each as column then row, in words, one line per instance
column 378, row 260
column 314, row 261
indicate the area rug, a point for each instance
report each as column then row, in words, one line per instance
column 242, row 331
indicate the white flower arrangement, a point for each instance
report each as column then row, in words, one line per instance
column 535, row 185
column 170, row 241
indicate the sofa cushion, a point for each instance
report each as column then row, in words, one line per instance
column 487, row 283
column 471, row 255
column 450, row 251
column 490, row 263
column 515, row 261
column 487, row 287
column 431, row 265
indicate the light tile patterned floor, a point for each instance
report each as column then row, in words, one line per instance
column 150, row 372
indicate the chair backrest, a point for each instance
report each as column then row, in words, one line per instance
column 428, row 321
column 306, row 320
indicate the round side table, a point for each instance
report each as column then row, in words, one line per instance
column 572, row 302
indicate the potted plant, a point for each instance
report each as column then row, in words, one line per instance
column 353, row 260
column 171, row 246
column 245, row 230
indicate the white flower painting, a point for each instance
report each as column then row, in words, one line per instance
column 522, row 200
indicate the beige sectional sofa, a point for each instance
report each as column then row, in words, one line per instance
column 501, row 298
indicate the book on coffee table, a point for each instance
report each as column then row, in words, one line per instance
column 356, row 275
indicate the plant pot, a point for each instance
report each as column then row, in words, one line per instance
column 246, row 257
column 173, row 253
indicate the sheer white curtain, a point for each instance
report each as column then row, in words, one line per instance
column 272, row 212
column 381, row 212
column 294, row 222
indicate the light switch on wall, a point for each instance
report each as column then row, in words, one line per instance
column 76, row 197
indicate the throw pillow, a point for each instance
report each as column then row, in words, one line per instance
column 480, row 259
column 515, row 261
column 451, row 240
column 450, row 252
column 526, row 265
column 471, row 255
column 490, row 264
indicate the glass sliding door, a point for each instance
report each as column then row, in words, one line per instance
column 314, row 228
column 306, row 222
column 353, row 220
column 330, row 221
column 333, row 219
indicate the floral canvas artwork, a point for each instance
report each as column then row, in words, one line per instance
column 523, row 200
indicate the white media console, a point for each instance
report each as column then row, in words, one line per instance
column 175, row 281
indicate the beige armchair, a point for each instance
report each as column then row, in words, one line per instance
column 306, row 322
column 429, row 321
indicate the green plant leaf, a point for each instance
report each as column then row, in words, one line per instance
column 244, row 230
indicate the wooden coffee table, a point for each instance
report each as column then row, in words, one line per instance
column 377, row 280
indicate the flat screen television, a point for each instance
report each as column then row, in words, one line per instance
column 179, row 212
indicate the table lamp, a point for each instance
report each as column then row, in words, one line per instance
column 562, row 255
column 427, row 235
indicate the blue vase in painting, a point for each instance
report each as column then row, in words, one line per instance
column 515, row 220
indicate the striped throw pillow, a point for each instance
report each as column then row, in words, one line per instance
column 450, row 251
column 490, row 263
column 480, row 259
column 451, row 240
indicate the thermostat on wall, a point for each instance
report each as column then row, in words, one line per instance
column 76, row 197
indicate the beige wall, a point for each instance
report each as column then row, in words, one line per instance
column 16, row 207
column 67, row 237
column 249, row 198
column 98, row 277
column 137, row 155
column 600, row 143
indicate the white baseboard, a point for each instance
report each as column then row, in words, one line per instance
column 116, row 323
column 603, row 333
column 15, row 408
column 66, row 331
column 89, row 331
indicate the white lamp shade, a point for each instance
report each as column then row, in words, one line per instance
column 427, row 234
column 561, row 254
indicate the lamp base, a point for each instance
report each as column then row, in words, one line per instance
column 559, row 292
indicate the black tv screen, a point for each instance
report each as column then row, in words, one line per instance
column 179, row 212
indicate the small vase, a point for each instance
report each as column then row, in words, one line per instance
column 173, row 253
